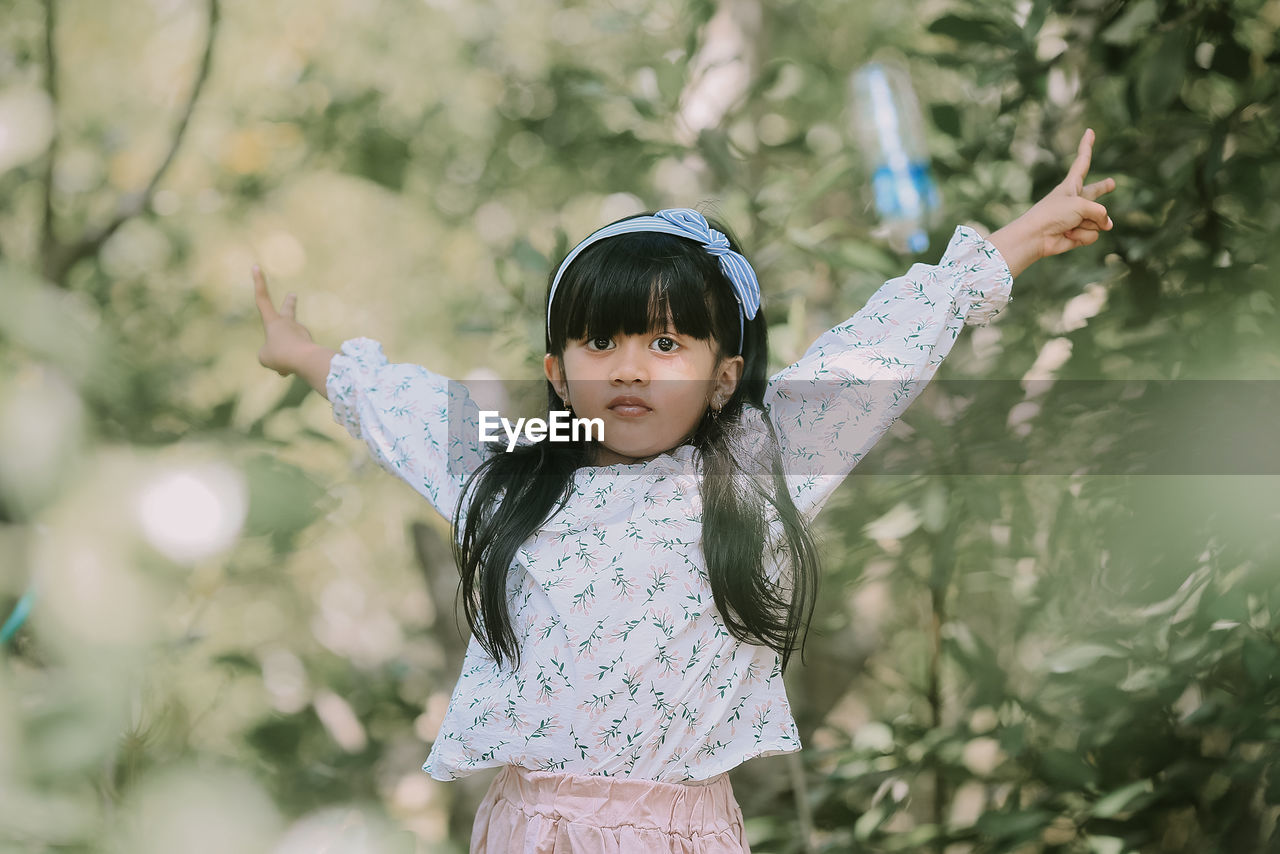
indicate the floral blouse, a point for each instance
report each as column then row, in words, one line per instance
column 627, row 668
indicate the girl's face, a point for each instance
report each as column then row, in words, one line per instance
column 673, row 377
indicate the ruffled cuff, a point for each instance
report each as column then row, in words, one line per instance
column 986, row 281
column 357, row 360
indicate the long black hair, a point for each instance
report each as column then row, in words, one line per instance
column 630, row 284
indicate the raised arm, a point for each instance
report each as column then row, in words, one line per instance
column 835, row 403
column 419, row 426
column 832, row 406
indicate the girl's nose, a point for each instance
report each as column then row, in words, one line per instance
column 629, row 365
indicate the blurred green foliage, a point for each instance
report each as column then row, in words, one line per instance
column 1041, row 663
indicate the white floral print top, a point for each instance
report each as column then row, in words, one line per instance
column 627, row 668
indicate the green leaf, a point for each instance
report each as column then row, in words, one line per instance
column 946, row 118
column 379, row 156
column 835, row 169
column 1207, row 713
column 1160, row 77
column 1082, row 656
column 895, row 524
column 1013, row 738
column 1067, row 769
column 869, row 821
column 1035, row 19
column 969, row 29
column 529, row 258
column 1184, row 600
column 933, row 508
column 672, row 77
column 297, row 391
column 1133, row 25
column 220, row 415
column 914, row 840
column 282, row 500
column 1261, row 661
column 1106, row 845
column 1144, row 679
column 1231, row 60
column 57, row 326
column 1013, row 826
column 237, row 661
column 1121, row 799
column 643, row 106
column 277, row 738
column 713, row 144
column 866, row 257
column 1272, row 792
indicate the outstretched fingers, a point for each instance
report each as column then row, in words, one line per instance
column 288, row 308
column 261, row 297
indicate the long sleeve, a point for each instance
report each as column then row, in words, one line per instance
column 421, row 427
column 856, row 379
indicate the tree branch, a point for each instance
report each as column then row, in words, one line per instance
column 48, row 244
column 56, row 268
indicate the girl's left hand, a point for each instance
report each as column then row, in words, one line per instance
column 1066, row 218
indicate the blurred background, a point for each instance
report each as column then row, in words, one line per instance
column 228, row 630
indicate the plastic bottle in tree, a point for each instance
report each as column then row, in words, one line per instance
column 890, row 131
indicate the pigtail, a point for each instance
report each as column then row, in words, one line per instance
column 507, row 499
column 740, row 496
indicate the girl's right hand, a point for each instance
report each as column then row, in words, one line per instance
column 286, row 337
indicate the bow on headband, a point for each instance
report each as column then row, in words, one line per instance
column 683, row 222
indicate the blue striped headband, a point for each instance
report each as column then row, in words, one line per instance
column 683, row 222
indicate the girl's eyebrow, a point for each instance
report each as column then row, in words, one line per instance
column 666, row 330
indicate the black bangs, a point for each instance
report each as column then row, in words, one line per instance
column 632, row 283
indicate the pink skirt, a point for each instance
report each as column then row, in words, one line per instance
column 545, row 812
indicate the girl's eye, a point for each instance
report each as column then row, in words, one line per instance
column 670, row 346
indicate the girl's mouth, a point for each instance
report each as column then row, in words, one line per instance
column 629, row 406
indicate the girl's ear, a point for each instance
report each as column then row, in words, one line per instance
column 551, row 367
column 728, row 375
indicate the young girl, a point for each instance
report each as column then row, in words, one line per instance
column 634, row 597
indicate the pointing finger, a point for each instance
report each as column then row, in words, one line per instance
column 261, row 297
column 289, row 307
column 1084, row 153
